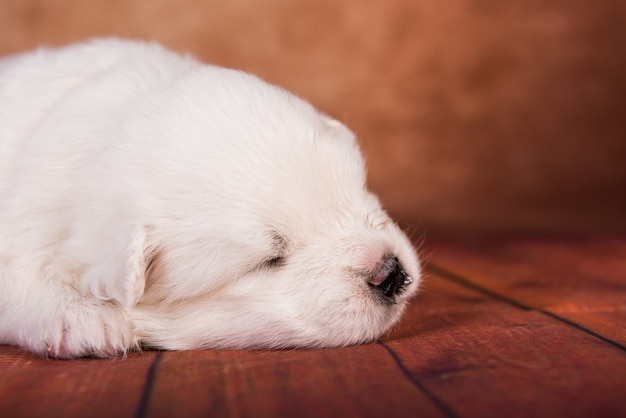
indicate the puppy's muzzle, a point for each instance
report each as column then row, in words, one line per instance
column 390, row 279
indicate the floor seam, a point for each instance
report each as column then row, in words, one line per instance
column 449, row 412
column 146, row 395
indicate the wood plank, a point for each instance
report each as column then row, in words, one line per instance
column 582, row 280
column 31, row 386
column 354, row 381
column 483, row 357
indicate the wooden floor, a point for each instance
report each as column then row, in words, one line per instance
column 502, row 328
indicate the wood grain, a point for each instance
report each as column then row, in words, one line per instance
column 484, row 357
column 353, row 381
column 31, row 386
column 581, row 279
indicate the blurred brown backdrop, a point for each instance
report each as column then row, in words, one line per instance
column 481, row 115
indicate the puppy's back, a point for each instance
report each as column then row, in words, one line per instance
column 33, row 85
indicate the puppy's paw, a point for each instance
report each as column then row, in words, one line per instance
column 116, row 264
column 85, row 328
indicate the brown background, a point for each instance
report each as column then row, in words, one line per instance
column 481, row 115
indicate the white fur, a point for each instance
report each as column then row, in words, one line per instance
column 142, row 194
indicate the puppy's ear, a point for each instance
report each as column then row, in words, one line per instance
column 336, row 130
column 333, row 125
column 118, row 274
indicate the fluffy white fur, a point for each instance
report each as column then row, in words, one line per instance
column 147, row 199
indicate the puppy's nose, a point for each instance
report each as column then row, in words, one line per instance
column 390, row 279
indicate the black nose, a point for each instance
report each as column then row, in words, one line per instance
column 390, row 279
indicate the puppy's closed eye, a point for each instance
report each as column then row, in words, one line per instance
column 279, row 252
column 275, row 262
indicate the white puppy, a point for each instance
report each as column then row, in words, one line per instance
column 149, row 200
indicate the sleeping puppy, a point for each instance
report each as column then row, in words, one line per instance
column 149, row 200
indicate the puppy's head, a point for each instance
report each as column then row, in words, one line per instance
column 263, row 233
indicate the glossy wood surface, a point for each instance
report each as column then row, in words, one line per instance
column 508, row 327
